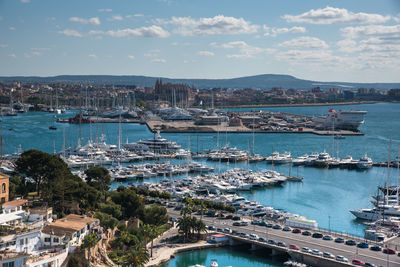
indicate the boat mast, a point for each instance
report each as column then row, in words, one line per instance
column 388, row 172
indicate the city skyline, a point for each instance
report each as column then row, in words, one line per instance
column 316, row 40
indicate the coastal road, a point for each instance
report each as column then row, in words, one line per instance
column 350, row 252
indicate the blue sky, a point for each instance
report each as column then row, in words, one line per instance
column 355, row 41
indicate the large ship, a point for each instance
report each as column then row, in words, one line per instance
column 156, row 145
column 341, row 120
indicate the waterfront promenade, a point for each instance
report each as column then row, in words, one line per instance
column 350, row 252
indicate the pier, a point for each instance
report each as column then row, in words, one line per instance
column 190, row 127
column 350, row 252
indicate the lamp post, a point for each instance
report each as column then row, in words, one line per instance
column 329, row 223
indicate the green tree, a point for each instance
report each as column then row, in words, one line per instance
column 89, row 242
column 136, row 256
column 156, row 215
column 107, row 221
column 99, row 178
column 112, row 209
column 132, row 205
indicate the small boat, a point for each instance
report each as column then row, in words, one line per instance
column 339, row 136
column 53, row 128
column 214, row 263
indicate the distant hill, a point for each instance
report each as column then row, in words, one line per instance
column 265, row 81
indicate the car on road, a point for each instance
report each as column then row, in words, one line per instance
column 350, row 242
column 370, row 264
column 262, row 239
column 244, row 235
column 262, row 223
column 294, row 247
column 296, row 231
column 287, row 229
column 376, row 248
column 363, row 245
column 327, row 237
column 357, row 262
column 227, row 230
column 220, row 230
column 282, row 244
column 339, row 240
column 236, row 223
column 256, row 222
column 306, row 250
column 328, row 255
column 306, row 233
column 317, row 235
column 277, row 226
column 341, row 258
column 269, row 225
column 229, row 216
column 254, row 237
column 388, row 251
column 243, row 223
column 316, row 252
column 272, row 242
column 236, row 218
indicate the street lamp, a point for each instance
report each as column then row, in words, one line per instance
column 329, row 223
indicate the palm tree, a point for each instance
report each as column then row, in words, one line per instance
column 199, row 227
column 152, row 231
column 184, row 225
column 89, row 242
column 136, row 256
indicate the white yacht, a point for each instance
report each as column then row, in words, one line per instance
column 156, row 145
column 323, row 160
column 278, row 158
column 374, row 214
column 346, row 120
column 300, row 160
column 364, row 163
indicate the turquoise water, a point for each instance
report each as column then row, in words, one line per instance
column 322, row 195
column 225, row 257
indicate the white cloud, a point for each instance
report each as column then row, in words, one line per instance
column 308, row 56
column 93, row 21
column 220, row 24
column 12, row 55
column 205, row 53
column 330, row 15
column 397, row 18
column 275, row 31
column 379, row 31
column 131, row 57
column 68, row 32
column 116, row 18
column 3, row 45
column 12, row 28
column 246, row 51
column 305, row 42
column 25, row 1
column 151, row 31
column 105, row 10
column 150, row 55
column 32, row 54
column 158, row 60
column 92, row 56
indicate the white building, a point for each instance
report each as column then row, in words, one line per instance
column 27, row 242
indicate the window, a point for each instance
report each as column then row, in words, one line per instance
column 21, row 242
column 8, row 264
column 47, row 239
column 55, row 239
column 3, row 188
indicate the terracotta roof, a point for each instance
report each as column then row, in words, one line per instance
column 15, row 203
column 74, row 221
column 57, row 231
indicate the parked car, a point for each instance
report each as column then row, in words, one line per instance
column 262, row 239
column 339, row 240
column 328, row 255
column 229, row 216
column 363, row 245
column 376, row 248
column 262, row 223
column 370, row 264
column 306, row 250
column 256, row 222
column 306, row 233
column 228, row 230
column 236, row 218
column 282, row 244
column 357, row 262
column 220, row 230
column 277, row 226
column 317, row 235
column 287, row 229
column 327, row 237
column 244, row 235
column 316, row 252
column 236, row 223
column 294, row 247
column 296, row 231
column 341, row 258
column 388, row 251
column 350, row 242
column 212, row 228
column 272, row 242
column 243, row 223
column 269, row 225
column 254, row 237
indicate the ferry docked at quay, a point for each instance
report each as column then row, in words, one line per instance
column 341, row 120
